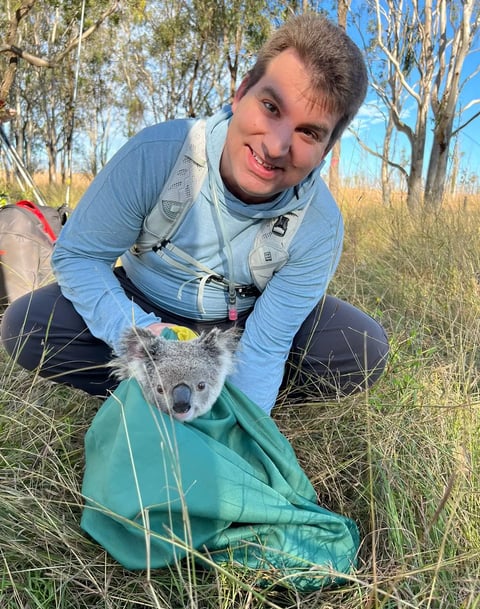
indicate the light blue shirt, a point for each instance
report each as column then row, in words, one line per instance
column 108, row 220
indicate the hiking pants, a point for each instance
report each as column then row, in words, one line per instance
column 337, row 351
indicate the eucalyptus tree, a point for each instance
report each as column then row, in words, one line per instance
column 37, row 90
column 334, row 170
column 150, row 61
column 185, row 57
column 458, row 36
column 99, row 109
column 420, row 51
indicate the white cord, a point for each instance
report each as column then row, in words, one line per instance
column 232, row 293
column 74, row 100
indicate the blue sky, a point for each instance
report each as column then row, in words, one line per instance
column 370, row 124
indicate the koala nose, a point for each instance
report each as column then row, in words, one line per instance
column 181, row 398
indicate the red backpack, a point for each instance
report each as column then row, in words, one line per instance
column 27, row 235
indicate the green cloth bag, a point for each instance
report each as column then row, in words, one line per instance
column 226, row 487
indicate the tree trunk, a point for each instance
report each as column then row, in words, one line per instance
column 415, row 181
column 455, row 168
column 445, row 95
column 437, row 168
column 385, row 170
column 414, row 191
column 334, row 169
column 12, row 40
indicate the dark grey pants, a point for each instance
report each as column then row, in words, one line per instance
column 338, row 350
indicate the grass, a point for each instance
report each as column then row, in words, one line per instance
column 403, row 460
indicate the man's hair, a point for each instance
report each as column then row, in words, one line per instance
column 336, row 65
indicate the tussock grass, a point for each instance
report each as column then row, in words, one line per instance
column 402, row 459
column 54, row 195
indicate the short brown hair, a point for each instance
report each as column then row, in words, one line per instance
column 337, row 67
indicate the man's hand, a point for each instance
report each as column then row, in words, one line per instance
column 158, row 327
column 182, row 332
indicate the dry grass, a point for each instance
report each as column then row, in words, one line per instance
column 402, row 460
column 54, row 194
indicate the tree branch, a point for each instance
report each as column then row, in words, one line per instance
column 393, row 59
column 42, row 62
column 470, row 120
column 376, row 154
column 391, row 105
column 31, row 59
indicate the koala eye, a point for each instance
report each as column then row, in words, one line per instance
column 201, row 386
column 160, row 389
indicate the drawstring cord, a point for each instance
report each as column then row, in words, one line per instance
column 232, row 293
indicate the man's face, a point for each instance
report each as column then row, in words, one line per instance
column 278, row 133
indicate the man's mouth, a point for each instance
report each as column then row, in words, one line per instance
column 262, row 162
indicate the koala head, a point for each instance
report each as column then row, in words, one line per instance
column 182, row 378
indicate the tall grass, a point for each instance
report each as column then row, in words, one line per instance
column 402, row 459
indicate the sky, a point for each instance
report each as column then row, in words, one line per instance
column 370, row 125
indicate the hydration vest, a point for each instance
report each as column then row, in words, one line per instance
column 270, row 248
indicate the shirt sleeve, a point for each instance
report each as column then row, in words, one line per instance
column 106, row 223
column 287, row 300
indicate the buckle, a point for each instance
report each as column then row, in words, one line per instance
column 280, row 226
column 244, row 291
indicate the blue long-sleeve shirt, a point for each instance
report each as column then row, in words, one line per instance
column 109, row 218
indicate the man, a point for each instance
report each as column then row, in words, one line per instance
column 263, row 159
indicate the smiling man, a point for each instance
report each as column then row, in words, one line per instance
column 256, row 247
column 280, row 131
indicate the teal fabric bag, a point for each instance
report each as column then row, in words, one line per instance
column 226, row 486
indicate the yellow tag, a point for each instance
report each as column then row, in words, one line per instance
column 184, row 333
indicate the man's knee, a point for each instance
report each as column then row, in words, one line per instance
column 43, row 332
column 18, row 333
column 368, row 347
column 339, row 350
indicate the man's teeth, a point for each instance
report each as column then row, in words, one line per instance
column 262, row 162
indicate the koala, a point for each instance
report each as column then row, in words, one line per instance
column 181, row 378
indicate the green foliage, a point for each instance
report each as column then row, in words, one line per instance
column 150, row 61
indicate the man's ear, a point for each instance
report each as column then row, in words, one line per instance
column 242, row 89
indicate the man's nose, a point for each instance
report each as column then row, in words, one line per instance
column 277, row 141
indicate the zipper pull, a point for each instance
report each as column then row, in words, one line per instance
column 232, row 303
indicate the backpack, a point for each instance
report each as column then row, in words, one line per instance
column 27, row 235
column 270, row 249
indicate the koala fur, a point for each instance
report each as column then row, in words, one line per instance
column 181, row 378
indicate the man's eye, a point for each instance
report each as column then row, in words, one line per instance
column 312, row 135
column 270, row 107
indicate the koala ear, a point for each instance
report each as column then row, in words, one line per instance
column 138, row 343
column 229, row 339
column 217, row 341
